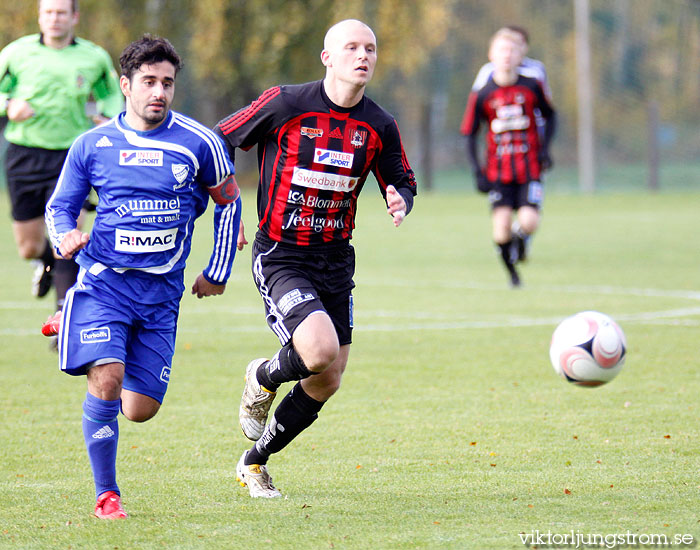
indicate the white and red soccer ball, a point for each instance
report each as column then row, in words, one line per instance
column 588, row 349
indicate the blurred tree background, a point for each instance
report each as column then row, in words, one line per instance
column 645, row 68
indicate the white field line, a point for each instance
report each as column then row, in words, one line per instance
column 604, row 290
column 426, row 320
column 675, row 317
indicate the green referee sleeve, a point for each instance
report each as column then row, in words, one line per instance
column 110, row 101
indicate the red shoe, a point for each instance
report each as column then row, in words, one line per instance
column 109, row 506
column 52, row 324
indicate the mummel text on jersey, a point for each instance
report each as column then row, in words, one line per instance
column 315, row 160
column 151, row 186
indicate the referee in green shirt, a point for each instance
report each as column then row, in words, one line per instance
column 46, row 81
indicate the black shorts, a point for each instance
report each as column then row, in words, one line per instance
column 32, row 174
column 295, row 283
column 516, row 195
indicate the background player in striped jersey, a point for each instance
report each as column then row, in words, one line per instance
column 317, row 143
column 533, row 68
column 45, row 82
column 154, row 171
column 516, row 153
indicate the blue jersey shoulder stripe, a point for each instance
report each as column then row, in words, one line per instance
column 211, row 139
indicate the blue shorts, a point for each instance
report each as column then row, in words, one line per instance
column 100, row 326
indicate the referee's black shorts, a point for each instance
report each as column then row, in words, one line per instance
column 32, row 174
column 295, row 283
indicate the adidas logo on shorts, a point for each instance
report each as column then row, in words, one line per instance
column 103, row 433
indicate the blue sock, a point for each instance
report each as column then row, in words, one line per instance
column 101, row 432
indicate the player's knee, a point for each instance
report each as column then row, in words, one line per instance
column 529, row 224
column 332, row 385
column 501, row 236
column 321, row 356
column 324, row 386
column 316, row 342
column 28, row 250
column 139, row 414
column 107, row 387
column 138, row 407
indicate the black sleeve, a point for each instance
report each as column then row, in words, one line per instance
column 392, row 167
column 249, row 125
column 549, row 115
column 472, row 152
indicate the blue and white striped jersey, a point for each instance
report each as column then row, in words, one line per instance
column 151, row 187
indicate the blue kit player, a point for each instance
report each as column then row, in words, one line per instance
column 153, row 170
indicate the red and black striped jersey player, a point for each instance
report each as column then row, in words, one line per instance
column 317, row 143
column 516, row 154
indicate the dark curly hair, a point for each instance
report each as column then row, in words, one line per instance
column 148, row 50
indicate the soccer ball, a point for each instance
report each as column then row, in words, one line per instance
column 588, row 349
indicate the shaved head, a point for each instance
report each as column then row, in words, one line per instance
column 349, row 55
column 338, row 32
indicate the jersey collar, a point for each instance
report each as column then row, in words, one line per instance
column 41, row 40
column 337, row 108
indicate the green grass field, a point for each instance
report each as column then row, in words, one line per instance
column 451, row 429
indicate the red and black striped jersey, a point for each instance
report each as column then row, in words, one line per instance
column 314, row 158
column 512, row 140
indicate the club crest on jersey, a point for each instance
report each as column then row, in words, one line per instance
column 311, row 133
column 140, row 158
column 358, row 138
column 333, row 158
column 180, row 172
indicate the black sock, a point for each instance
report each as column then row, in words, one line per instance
column 285, row 366
column 505, row 254
column 47, row 255
column 65, row 273
column 296, row 412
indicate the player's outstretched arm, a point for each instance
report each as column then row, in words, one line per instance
column 72, row 242
column 202, row 287
column 396, row 205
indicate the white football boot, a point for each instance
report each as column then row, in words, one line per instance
column 255, row 403
column 256, row 478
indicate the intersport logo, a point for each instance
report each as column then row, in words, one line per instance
column 333, row 158
column 323, row 181
column 140, row 158
column 145, row 241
